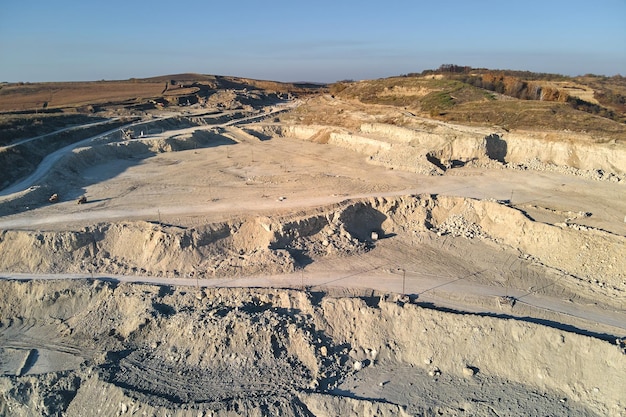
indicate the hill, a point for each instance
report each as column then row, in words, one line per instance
column 132, row 94
column 508, row 99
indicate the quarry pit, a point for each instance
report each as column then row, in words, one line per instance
column 241, row 263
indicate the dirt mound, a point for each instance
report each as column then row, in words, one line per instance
column 240, row 247
column 265, row 352
column 140, row 248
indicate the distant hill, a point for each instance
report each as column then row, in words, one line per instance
column 507, row 98
column 510, row 99
column 87, row 96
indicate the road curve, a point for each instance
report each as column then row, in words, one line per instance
column 56, row 132
column 51, row 159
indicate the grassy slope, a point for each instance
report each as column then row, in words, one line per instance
column 448, row 98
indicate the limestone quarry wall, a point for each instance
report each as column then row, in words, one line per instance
column 608, row 157
column 581, row 251
column 400, row 134
column 358, row 143
column 262, row 245
column 406, row 148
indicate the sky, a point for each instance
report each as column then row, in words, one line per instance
column 302, row 40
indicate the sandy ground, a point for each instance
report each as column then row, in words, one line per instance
column 515, row 258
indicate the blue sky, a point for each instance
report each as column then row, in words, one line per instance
column 294, row 40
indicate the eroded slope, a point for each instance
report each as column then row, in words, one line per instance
column 147, row 349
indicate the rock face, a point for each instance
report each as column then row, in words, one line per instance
column 442, row 146
column 589, row 157
column 157, row 350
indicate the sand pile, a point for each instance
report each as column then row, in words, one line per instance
column 144, row 349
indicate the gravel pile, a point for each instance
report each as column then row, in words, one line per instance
column 457, row 225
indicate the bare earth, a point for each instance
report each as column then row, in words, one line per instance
column 263, row 266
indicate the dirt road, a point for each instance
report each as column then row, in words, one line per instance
column 50, row 160
column 54, row 157
column 56, row 132
column 441, row 291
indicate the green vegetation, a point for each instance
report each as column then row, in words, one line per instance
column 533, row 115
column 609, row 92
column 451, row 69
column 437, row 101
column 429, row 95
